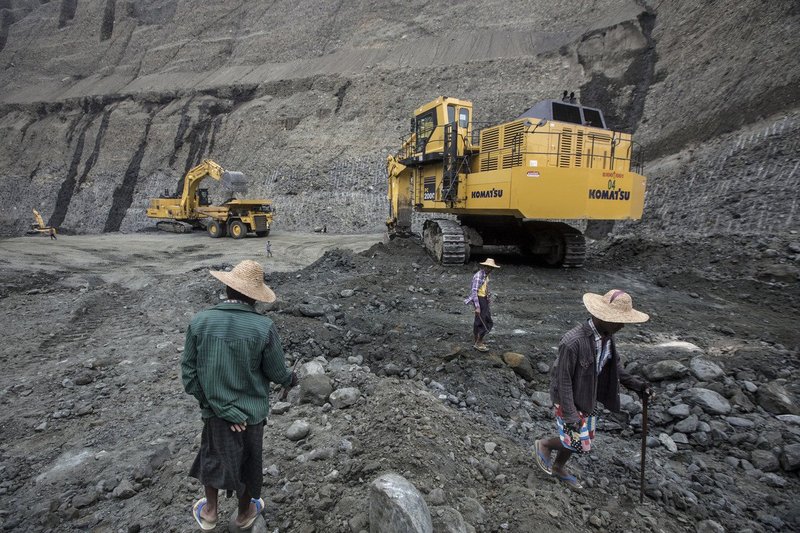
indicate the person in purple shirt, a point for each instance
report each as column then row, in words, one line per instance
column 479, row 298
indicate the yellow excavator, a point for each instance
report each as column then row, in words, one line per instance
column 40, row 227
column 193, row 209
column 518, row 186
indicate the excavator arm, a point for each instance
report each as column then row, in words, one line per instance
column 192, row 180
column 40, row 226
column 39, row 220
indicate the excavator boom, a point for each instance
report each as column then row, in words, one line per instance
column 39, row 226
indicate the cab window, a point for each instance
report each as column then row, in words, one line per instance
column 451, row 114
column 426, row 123
column 463, row 118
column 566, row 113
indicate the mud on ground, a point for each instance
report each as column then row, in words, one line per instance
column 98, row 435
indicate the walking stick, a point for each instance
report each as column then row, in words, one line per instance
column 644, row 446
column 285, row 392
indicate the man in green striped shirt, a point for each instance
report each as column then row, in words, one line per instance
column 231, row 355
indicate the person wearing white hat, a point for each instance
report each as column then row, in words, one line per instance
column 587, row 370
column 230, row 356
column 479, row 298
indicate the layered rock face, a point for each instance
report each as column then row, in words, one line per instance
column 105, row 104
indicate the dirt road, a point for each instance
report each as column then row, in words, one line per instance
column 98, row 434
column 136, row 258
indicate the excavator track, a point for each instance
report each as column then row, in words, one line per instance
column 174, row 226
column 444, row 240
column 574, row 250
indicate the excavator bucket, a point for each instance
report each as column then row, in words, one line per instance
column 234, row 181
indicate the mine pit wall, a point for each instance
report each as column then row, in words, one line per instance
column 315, row 140
column 120, row 153
column 742, row 183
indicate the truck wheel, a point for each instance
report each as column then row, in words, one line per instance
column 216, row 229
column 237, row 229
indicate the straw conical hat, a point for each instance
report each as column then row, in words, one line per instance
column 248, row 278
column 614, row 306
column 489, row 263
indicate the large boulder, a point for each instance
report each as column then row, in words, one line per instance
column 709, row 526
column 709, row 401
column 688, row 424
column 315, row 389
column 789, row 419
column 774, row 399
column 519, row 364
column 310, row 369
column 345, row 397
column 396, row 505
column 705, row 370
column 764, row 460
column 299, row 429
column 790, row 457
column 679, row 411
column 542, row 399
column 448, row 520
column 667, row 369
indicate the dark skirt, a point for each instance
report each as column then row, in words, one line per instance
column 230, row 460
column 483, row 321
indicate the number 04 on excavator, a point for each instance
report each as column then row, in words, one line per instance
column 522, row 185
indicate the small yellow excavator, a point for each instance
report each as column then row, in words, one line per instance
column 524, row 184
column 192, row 208
column 40, row 226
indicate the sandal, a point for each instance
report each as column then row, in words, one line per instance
column 542, row 460
column 569, row 479
column 259, row 503
column 197, row 508
column 481, row 347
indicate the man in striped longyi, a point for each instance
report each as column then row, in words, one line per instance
column 231, row 355
column 587, row 370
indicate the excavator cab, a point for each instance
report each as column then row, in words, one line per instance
column 438, row 125
column 202, row 197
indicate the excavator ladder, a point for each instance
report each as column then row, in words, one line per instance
column 450, row 163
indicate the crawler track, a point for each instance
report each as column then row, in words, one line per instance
column 574, row 249
column 444, row 240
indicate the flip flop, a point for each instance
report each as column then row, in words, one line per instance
column 197, row 508
column 570, row 480
column 542, row 460
column 481, row 347
column 259, row 507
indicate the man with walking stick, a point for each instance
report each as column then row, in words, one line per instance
column 588, row 370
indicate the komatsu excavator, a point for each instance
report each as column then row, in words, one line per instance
column 521, row 185
column 192, row 208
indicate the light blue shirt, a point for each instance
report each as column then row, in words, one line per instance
column 603, row 350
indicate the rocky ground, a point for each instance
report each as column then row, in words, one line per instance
column 105, row 104
column 98, row 435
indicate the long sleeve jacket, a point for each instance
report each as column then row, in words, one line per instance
column 574, row 382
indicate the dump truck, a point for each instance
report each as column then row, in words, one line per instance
column 192, row 209
column 525, row 185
